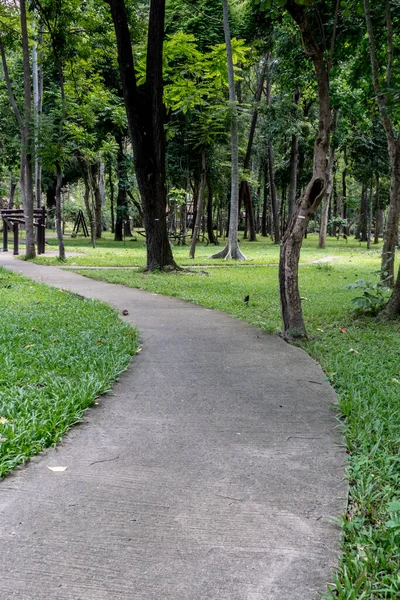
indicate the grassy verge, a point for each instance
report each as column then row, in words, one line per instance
column 361, row 357
column 133, row 253
column 59, row 352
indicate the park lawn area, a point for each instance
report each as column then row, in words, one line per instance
column 59, row 352
column 361, row 357
column 133, row 253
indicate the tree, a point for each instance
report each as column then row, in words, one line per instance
column 231, row 249
column 388, row 117
column 292, row 316
column 145, row 113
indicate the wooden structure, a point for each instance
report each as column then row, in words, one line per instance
column 80, row 222
column 14, row 217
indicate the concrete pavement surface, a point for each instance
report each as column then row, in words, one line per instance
column 211, row 472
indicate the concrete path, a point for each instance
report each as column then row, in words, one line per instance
column 211, row 472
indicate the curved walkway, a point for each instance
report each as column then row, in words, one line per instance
column 211, row 472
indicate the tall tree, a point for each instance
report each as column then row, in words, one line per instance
column 145, row 112
column 292, row 315
column 382, row 90
column 232, row 249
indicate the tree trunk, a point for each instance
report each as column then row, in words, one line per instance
column 210, row 222
column 378, row 212
column 111, row 184
column 393, row 139
column 392, row 226
column 329, row 184
column 200, row 204
column 294, row 161
column 264, row 232
column 61, row 249
column 26, row 139
column 231, row 249
column 272, row 187
column 122, row 198
column 363, row 223
column 145, row 112
column 13, row 186
column 292, row 316
column 274, row 198
column 244, row 191
column 392, row 308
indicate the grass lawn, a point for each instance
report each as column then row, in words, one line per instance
column 133, row 253
column 59, row 352
column 360, row 356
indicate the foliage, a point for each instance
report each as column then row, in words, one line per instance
column 375, row 295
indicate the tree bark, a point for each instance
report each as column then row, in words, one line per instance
column 393, row 141
column 200, row 204
column 30, row 250
column 61, row 248
column 378, row 212
column 111, row 184
column 244, row 191
column 122, row 198
column 13, row 186
column 232, row 249
column 145, row 113
column 210, row 222
column 264, row 232
column 291, row 310
column 294, row 161
column 363, row 223
column 272, row 187
column 329, row 186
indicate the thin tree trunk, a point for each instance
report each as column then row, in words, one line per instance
column 111, row 184
column 27, row 138
column 122, row 199
column 13, row 186
column 292, row 316
column 200, row 204
column 393, row 140
column 329, row 185
column 244, row 191
column 231, row 249
column 378, row 212
column 274, row 198
column 363, row 223
column 61, row 249
column 294, row 161
column 264, row 232
column 210, row 222
column 272, row 187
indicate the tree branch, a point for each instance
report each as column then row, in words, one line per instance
column 334, row 35
column 389, row 27
column 201, row 12
column 9, row 88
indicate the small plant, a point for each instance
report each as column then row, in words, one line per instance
column 374, row 296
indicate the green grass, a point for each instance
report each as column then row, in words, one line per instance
column 133, row 253
column 361, row 357
column 59, row 352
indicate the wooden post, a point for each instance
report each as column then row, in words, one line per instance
column 5, row 236
column 15, row 229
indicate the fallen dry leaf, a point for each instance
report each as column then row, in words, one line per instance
column 125, row 312
column 3, row 420
column 29, row 346
column 57, row 469
column 353, row 351
column 342, row 330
